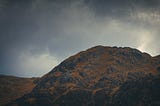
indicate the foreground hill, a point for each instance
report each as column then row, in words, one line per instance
column 12, row 88
column 99, row 76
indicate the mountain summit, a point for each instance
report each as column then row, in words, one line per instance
column 99, row 76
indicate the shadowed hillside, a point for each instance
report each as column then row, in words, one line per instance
column 12, row 87
column 99, row 76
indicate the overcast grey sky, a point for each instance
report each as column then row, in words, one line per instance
column 36, row 35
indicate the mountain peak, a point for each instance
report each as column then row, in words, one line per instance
column 87, row 68
column 92, row 73
column 104, row 55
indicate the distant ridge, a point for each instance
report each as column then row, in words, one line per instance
column 12, row 87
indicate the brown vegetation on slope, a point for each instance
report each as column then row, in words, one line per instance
column 12, row 88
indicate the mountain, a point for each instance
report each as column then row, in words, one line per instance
column 99, row 76
column 12, row 88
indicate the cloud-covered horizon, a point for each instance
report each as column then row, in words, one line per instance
column 36, row 35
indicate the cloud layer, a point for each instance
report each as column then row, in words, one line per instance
column 36, row 35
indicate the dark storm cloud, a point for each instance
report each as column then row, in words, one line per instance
column 121, row 8
column 36, row 35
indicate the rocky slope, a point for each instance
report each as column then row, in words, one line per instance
column 99, row 76
column 12, row 88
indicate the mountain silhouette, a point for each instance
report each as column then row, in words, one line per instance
column 99, row 76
